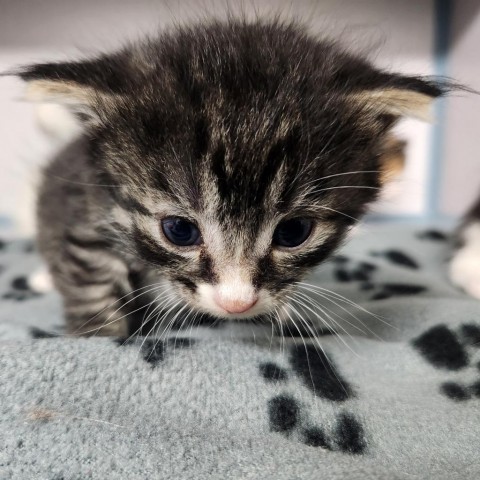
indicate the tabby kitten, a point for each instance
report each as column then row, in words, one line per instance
column 218, row 164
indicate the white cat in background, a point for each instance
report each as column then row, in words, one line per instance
column 465, row 265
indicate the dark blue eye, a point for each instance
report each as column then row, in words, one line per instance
column 181, row 232
column 292, row 233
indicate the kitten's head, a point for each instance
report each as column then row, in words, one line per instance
column 241, row 153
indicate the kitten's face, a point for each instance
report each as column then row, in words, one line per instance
column 240, row 153
column 241, row 197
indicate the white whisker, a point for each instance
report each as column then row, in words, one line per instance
column 336, row 334
column 355, row 172
column 316, row 343
column 346, row 300
column 327, row 297
column 97, row 329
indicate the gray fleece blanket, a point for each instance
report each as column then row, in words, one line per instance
column 395, row 396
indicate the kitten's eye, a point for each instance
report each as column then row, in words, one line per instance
column 292, row 233
column 181, row 232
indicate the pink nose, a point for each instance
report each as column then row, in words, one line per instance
column 235, row 305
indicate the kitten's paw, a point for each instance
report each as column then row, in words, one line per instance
column 41, row 281
column 465, row 265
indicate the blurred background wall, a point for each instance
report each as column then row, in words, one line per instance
column 439, row 37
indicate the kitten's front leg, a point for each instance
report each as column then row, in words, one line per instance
column 95, row 287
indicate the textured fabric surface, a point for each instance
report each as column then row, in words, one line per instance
column 397, row 395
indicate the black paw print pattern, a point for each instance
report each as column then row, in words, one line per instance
column 20, row 290
column 433, row 235
column 317, row 373
column 154, row 350
column 398, row 258
column 363, row 272
column 452, row 350
column 347, row 270
column 38, row 333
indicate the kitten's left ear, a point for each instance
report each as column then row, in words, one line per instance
column 402, row 96
column 74, row 97
column 85, row 88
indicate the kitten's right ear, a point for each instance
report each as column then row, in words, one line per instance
column 402, row 96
